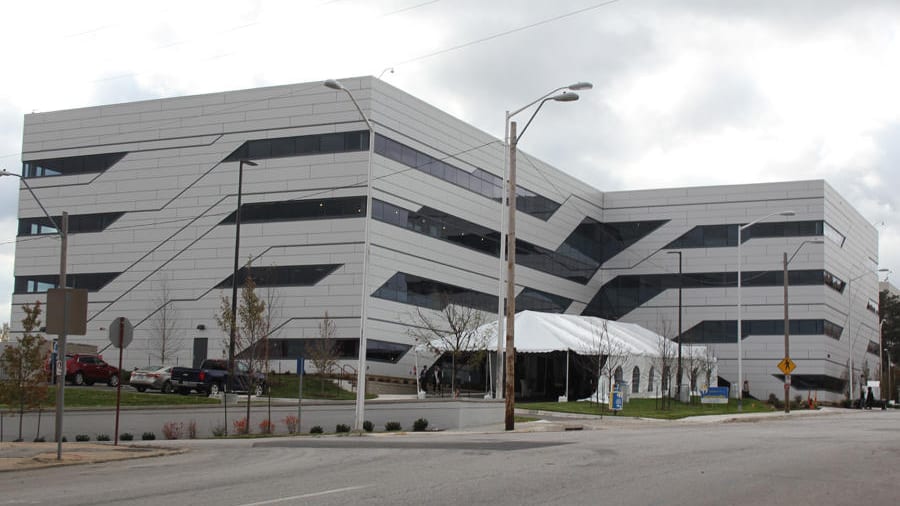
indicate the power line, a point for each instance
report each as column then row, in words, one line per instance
column 507, row 32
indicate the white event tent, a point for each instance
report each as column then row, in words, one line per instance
column 538, row 332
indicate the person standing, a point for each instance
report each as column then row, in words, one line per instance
column 862, row 397
column 870, row 399
column 438, row 389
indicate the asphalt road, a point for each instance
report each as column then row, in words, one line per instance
column 836, row 459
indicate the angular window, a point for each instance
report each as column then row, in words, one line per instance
column 417, row 291
column 284, row 275
column 40, row 283
column 718, row 236
column 872, row 306
column 262, row 149
column 479, row 181
column 78, row 223
column 70, row 165
column 296, row 210
column 722, row 331
column 530, row 299
column 651, row 379
column 635, row 380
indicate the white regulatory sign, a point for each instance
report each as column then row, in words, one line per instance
column 121, row 331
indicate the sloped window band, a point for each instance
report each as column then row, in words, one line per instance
column 418, row 291
column 577, row 259
column 78, row 223
column 479, row 181
column 298, row 210
column 40, row 283
column 318, row 144
column 723, row 331
column 70, row 165
column 625, row 293
column 283, row 275
column 718, row 236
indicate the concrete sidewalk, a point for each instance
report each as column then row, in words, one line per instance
column 22, row 456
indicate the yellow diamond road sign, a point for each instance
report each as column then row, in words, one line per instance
column 787, row 365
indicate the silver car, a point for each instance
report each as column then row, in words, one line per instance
column 153, row 377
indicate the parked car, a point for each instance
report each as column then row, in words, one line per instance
column 89, row 369
column 153, row 377
column 212, row 378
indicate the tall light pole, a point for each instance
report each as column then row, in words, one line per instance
column 361, row 373
column 741, row 228
column 850, row 332
column 680, row 278
column 787, row 333
column 504, row 219
column 509, row 418
column 63, row 230
column 234, row 275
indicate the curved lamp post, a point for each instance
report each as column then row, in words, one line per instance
column 741, row 228
column 504, row 218
column 510, row 394
column 361, row 373
column 63, row 230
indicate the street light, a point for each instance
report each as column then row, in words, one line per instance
column 63, row 230
column 509, row 418
column 232, row 332
column 504, row 218
column 850, row 332
column 361, row 373
column 678, row 387
column 739, row 322
column 787, row 345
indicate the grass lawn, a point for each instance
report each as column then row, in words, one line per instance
column 285, row 385
column 79, row 397
column 649, row 408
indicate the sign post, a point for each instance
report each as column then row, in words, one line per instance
column 300, row 370
column 121, row 332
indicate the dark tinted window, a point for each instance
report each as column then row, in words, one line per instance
column 716, row 236
column 70, row 165
column 479, row 181
column 78, row 223
column 722, row 331
column 285, row 275
column 293, row 210
column 417, row 291
column 91, row 282
column 261, row 149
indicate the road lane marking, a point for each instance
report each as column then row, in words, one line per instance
column 306, row 496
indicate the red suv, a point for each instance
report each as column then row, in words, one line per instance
column 88, row 369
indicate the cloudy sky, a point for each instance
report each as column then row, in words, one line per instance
column 686, row 93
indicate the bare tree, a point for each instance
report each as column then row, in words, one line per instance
column 611, row 353
column 666, row 361
column 251, row 330
column 165, row 340
column 455, row 330
column 25, row 384
column 323, row 353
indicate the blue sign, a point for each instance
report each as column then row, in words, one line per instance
column 617, row 401
column 301, row 370
column 714, row 395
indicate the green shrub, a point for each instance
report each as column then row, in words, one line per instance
column 218, row 431
column 102, row 437
column 82, row 437
column 392, row 426
column 316, row 430
column 420, row 425
column 368, row 426
column 126, row 436
column 341, row 428
column 148, row 436
column 40, row 439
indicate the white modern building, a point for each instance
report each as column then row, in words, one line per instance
column 151, row 191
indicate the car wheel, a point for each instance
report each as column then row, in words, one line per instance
column 259, row 390
column 214, row 390
column 141, row 389
column 113, row 380
column 79, row 379
column 166, row 388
